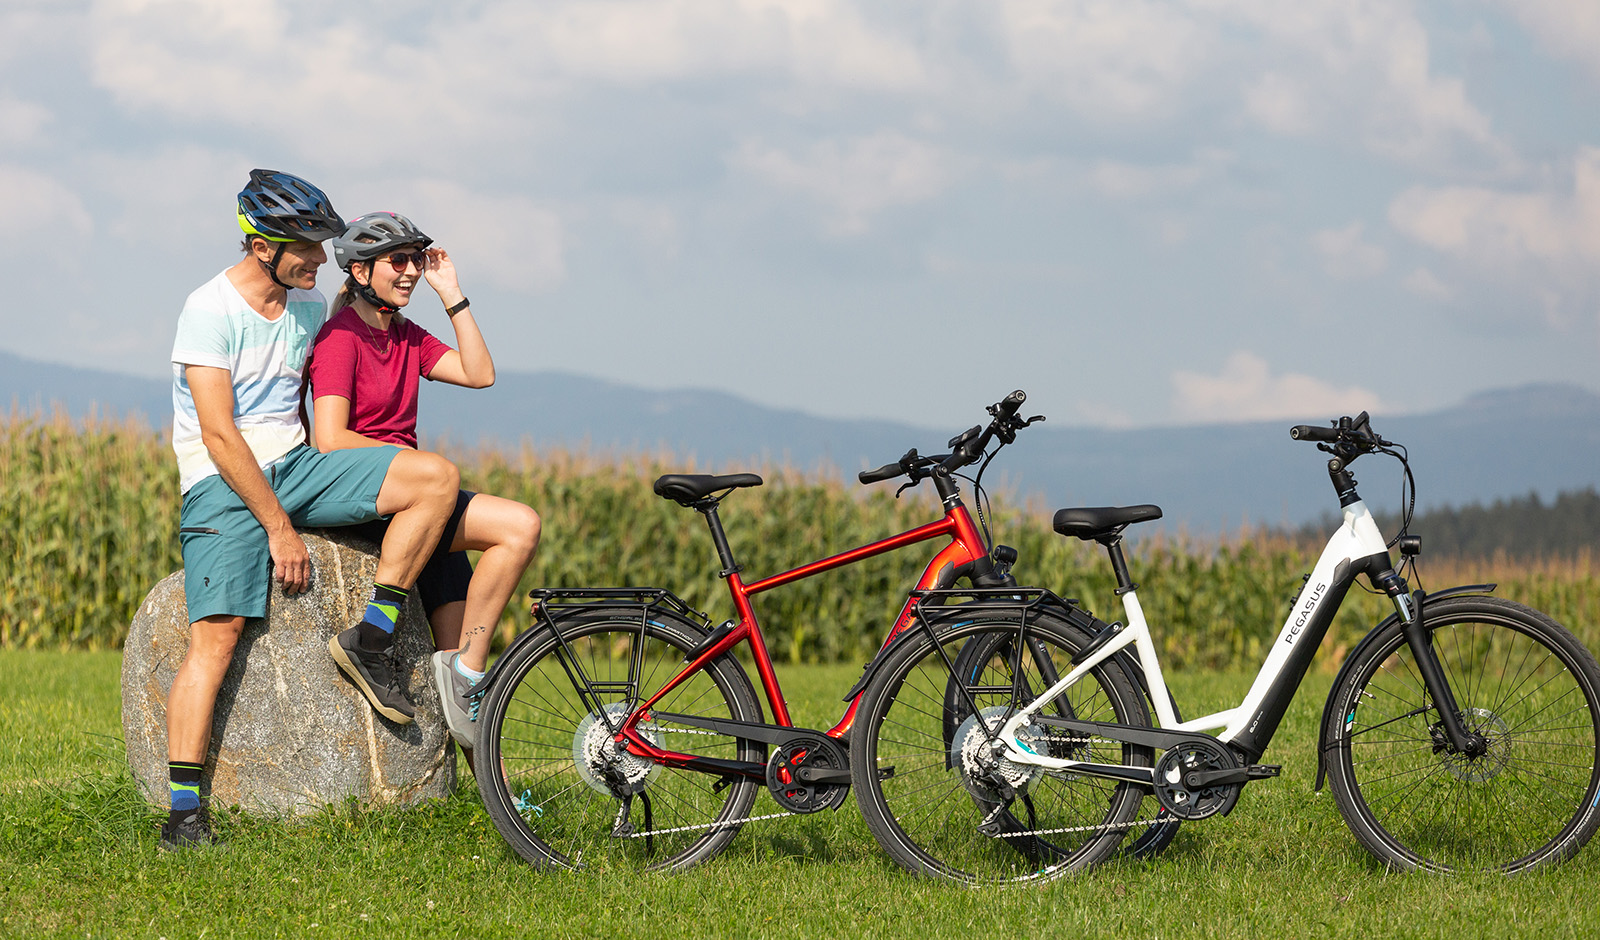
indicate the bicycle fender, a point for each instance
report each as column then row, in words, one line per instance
column 1368, row 640
column 540, row 629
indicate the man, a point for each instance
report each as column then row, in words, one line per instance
column 248, row 477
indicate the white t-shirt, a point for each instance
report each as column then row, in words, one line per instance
column 265, row 357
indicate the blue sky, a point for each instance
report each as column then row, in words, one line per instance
column 1142, row 212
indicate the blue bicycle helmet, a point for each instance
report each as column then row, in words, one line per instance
column 281, row 207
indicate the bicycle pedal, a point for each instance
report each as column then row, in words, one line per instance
column 884, row 773
column 1263, row 771
column 722, row 783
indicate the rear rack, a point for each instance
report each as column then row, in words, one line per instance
column 599, row 598
column 1029, row 601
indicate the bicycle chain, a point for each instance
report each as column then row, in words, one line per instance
column 728, row 823
column 1107, row 827
column 725, row 824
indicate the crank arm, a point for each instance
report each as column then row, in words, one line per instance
column 1206, row 778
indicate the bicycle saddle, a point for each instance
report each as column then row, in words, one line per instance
column 1091, row 524
column 687, row 488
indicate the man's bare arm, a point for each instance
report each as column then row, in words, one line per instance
column 212, row 390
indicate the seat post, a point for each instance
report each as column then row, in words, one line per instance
column 1119, row 564
column 708, row 508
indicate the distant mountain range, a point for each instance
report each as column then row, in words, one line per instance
column 1538, row 438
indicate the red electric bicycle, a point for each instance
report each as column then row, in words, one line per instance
column 626, row 731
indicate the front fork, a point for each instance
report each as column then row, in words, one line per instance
column 1408, row 606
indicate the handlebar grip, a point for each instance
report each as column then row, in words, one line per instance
column 1310, row 432
column 886, row 472
column 1013, row 401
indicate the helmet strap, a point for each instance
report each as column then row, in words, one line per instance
column 271, row 267
column 365, row 292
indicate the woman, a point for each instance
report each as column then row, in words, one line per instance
column 364, row 372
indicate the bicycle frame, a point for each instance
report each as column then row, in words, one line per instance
column 966, row 546
column 1356, row 547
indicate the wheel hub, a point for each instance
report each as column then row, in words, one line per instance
column 605, row 765
column 1496, row 753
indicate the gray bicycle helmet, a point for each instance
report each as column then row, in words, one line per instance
column 281, row 207
column 374, row 235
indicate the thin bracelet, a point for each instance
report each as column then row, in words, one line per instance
column 458, row 307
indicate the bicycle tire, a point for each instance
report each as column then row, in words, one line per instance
column 1520, row 679
column 1146, row 841
column 923, row 805
column 548, row 795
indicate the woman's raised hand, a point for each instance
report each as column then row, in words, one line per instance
column 441, row 274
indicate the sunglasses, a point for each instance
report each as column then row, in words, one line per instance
column 400, row 259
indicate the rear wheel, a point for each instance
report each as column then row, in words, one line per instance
column 937, row 797
column 1523, row 683
column 560, row 790
column 1145, row 840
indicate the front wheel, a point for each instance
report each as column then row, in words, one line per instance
column 557, row 786
column 942, row 802
column 1520, row 680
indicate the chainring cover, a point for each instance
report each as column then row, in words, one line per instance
column 802, row 796
column 1185, row 802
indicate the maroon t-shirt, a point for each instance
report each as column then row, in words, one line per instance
column 376, row 370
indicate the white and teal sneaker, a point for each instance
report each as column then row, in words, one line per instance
column 459, row 697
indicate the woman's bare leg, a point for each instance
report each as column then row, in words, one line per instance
column 507, row 533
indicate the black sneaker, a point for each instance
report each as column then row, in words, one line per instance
column 191, row 832
column 373, row 673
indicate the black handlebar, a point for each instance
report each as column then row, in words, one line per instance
column 1308, row 432
column 886, row 472
column 968, row 447
column 1348, row 438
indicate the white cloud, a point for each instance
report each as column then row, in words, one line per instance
column 52, row 210
column 500, row 237
column 1347, row 255
column 324, row 71
column 1360, row 69
column 1281, row 103
column 1119, row 60
column 853, row 179
column 653, row 40
column 178, row 194
column 1246, row 390
column 1547, row 241
column 1426, row 284
column 1132, row 181
column 22, row 122
column 1568, row 28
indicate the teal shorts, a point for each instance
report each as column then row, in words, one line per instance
column 227, row 564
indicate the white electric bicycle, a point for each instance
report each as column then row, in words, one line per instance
column 1012, row 734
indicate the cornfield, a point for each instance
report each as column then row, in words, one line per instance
column 89, row 519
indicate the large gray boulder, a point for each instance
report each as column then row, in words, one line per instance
column 290, row 733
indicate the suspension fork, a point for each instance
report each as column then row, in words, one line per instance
column 1408, row 605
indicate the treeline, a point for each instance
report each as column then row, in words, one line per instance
column 89, row 518
column 1524, row 528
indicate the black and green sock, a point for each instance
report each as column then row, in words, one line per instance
column 376, row 630
column 184, row 785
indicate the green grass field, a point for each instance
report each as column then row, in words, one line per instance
column 78, row 858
